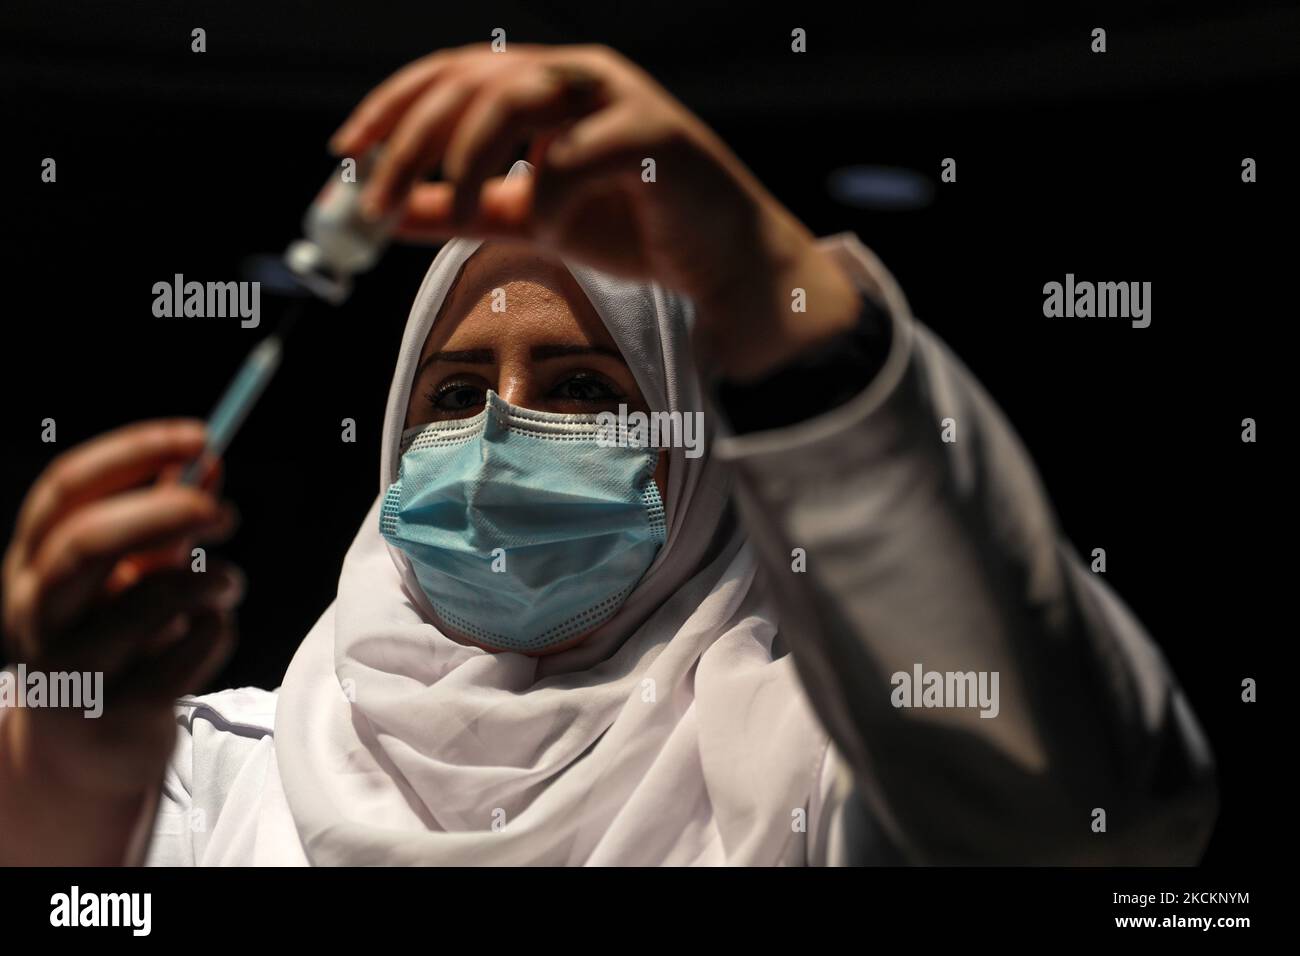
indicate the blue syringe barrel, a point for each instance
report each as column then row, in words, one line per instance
column 237, row 401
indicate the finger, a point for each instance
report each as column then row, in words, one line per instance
column 416, row 145
column 211, row 478
column 149, row 617
column 503, row 211
column 121, row 459
column 183, row 667
column 602, row 146
column 164, row 594
column 505, row 114
column 599, row 143
column 135, row 567
column 76, row 557
column 378, row 113
column 541, row 143
column 584, row 207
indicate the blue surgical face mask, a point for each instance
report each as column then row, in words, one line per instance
column 522, row 529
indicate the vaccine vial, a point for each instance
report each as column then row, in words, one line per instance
column 338, row 241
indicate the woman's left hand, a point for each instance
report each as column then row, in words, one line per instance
column 702, row 225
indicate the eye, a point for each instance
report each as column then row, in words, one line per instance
column 586, row 387
column 456, row 396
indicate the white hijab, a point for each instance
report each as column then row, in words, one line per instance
column 669, row 736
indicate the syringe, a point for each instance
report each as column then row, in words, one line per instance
column 339, row 243
column 241, row 395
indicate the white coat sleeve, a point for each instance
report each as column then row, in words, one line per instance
column 220, row 736
column 931, row 545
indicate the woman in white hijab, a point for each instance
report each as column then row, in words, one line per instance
column 884, row 653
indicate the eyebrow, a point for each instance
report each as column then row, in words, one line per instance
column 539, row 353
column 542, row 352
column 470, row 357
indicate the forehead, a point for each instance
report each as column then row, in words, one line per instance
column 542, row 301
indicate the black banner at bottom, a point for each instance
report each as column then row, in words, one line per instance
column 241, row 906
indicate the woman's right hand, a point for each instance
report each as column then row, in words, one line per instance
column 98, row 579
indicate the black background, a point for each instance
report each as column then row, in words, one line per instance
column 1117, row 167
